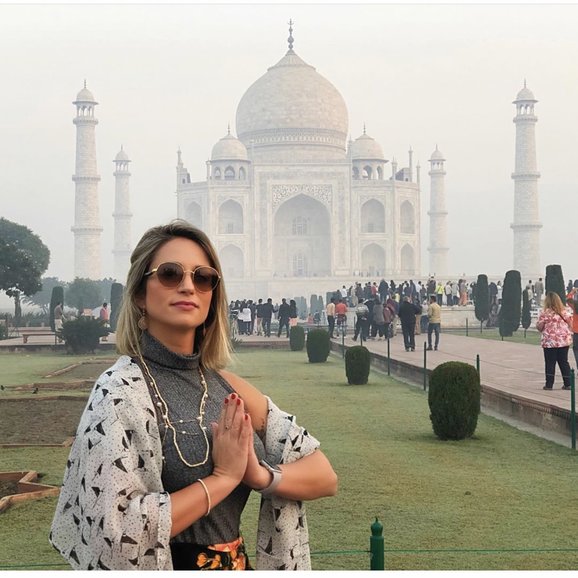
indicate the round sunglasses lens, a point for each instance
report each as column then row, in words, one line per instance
column 206, row 279
column 170, row 274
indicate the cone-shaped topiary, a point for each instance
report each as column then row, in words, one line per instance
column 482, row 299
column 526, row 312
column 511, row 310
column 116, row 293
column 357, row 363
column 297, row 338
column 318, row 345
column 555, row 281
column 454, row 400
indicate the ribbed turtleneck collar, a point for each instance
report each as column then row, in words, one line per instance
column 155, row 351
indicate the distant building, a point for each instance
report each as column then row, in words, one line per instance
column 122, row 248
column 291, row 205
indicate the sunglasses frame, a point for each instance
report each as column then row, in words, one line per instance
column 184, row 272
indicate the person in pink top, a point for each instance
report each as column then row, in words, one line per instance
column 554, row 323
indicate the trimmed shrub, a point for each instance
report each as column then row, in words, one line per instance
column 116, row 292
column 511, row 310
column 357, row 363
column 555, row 281
column 454, row 400
column 83, row 335
column 482, row 299
column 297, row 338
column 56, row 297
column 318, row 345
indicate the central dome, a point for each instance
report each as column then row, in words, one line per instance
column 292, row 104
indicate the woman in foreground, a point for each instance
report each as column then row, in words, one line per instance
column 170, row 444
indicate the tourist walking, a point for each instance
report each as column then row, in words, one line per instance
column 378, row 325
column 407, row 313
column 283, row 317
column 434, row 314
column 362, row 321
column 341, row 317
column 170, row 445
column 538, row 292
column 554, row 324
column 330, row 313
column 267, row 314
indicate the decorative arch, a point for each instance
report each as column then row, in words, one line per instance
column 355, row 173
column 231, row 218
column 242, row 174
column 380, row 173
column 407, row 259
column 229, row 173
column 217, row 173
column 232, row 262
column 367, row 172
column 407, row 218
column 302, row 238
column 194, row 214
column 372, row 217
column 373, row 260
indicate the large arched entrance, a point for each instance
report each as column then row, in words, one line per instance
column 373, row 260
column 194, row 214
column 232, row 262
column 372, row 217
column 302, row 239
column 230, row 218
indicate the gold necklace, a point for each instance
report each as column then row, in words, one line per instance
column 162, row 404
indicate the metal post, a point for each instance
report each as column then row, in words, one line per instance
column 342, row 341
column 424, row 365
column 573, row 407
column 466, row 326
column 376, row 547
column 478, row 364
column 388, row 357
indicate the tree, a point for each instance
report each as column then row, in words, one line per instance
column 23, row 260
column 116, row 294
column 56, row 298
column 509, row 318
column 82, row 294
column 42, row 298
column 526, row 313
column 482, row 299
column 555, row 281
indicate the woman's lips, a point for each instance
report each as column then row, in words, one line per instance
column 185, row 305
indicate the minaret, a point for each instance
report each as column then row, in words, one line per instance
column 122, row 215
column 86, row 227
column 438, row 217
column 526, row 223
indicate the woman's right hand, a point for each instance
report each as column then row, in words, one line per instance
column 231, row 438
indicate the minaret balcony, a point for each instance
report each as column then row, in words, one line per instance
column 526, row 176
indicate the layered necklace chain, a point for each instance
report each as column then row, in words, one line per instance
column 169, row 425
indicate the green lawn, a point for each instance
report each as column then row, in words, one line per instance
column 532, row 337
column 501, row 490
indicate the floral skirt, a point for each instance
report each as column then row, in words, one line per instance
column 231, row 556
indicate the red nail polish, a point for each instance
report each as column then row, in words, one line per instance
column 226, row 400
column 233, row 396
column 238, row 402
column 246, row 417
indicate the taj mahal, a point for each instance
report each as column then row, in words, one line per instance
column 293, row 204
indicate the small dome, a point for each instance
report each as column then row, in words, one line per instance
column 85, row 96
column 122, row 156
column 229, row 148
column 525, row 94
column 366, row 148
column 437, row 155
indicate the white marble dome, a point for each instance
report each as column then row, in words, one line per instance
column 525, row 94
column 85, row 96
column 437, row 155
column 292, row 104
column 121, row 156
column 229, row 148
column 366, row 148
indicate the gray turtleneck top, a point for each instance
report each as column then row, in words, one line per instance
column 178, row 380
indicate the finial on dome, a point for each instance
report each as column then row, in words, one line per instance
column 524, row 83
column 290, row 39
column 228, row 129
column 85, row 83
column 363, row 128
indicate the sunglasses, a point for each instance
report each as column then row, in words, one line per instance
column 171, row 275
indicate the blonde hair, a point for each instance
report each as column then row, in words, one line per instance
column 213, row 342
column 553, row 301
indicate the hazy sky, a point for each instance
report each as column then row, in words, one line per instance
column 171, row 76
